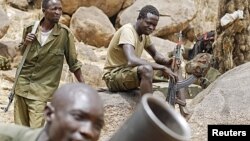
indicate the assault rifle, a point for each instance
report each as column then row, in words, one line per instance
column 175, row 67
column 12, row 93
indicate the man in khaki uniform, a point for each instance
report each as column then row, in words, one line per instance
column 76, row 113
column 124, row 69
column 41, row 72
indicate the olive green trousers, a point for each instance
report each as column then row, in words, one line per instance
column 29, row 112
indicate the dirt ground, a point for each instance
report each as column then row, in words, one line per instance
column 111, row 108
column 5, row 87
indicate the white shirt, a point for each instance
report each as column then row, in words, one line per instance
column 44, row 36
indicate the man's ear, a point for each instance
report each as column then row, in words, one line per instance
column 49, row 112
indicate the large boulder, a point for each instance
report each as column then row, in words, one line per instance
column 4, row 23
column 163, row 46
column 19, row 19
column 174, row 15
column 109, row 7
column 92, row 26
column 225, row 101
column 20, row 4
column 8, row 49
column 207, row 16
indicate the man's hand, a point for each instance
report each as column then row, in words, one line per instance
column 168, row 73
column 29, row 38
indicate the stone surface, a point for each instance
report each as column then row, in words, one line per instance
column 174, row 15
column 91, row 26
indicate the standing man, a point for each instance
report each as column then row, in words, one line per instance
column 41, row 71
column 124, row 69
column 76, row 113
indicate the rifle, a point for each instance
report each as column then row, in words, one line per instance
column 12, row 92
column 173, row 86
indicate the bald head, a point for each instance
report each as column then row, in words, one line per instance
column 74, row 93
column 75, row 113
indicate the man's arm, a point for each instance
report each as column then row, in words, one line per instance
column 78, row 75
column 133, row 60
column 158, row 57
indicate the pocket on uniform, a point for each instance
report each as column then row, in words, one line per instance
column 56, row 56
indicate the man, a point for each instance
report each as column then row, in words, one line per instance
column 41, row 72
column 124, row 69
column 75, row 114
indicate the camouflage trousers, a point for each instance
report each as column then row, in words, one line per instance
column 122, row 79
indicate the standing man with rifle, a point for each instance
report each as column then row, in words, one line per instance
column 124, row 69
column 41, row 71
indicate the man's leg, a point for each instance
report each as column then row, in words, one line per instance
column 20, row 111
column 122, row 79
column 146, row 75
column 36, row 113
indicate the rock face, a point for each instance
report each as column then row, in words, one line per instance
column 109, row 7
column 20, row 4
column 174, row 15
column 226, row 101
column 232, row 46
column 91, row 26
column 207, row 15
column 4, row 23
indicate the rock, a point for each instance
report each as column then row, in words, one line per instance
column 8, row 49
column 92, row 75
column 118, row 108
column 91, row 26
column 225, row 101
column 85, row 53
column 19, row 4
column 4, row 23
column 65, row 19
column 207, row 16
column 109, row 7
column 174, row 15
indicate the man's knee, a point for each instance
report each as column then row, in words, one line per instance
column 145, row 71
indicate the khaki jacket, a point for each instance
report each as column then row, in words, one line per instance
column 41, row 72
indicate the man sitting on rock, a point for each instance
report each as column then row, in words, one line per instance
column 75, row 114
column 124, row 69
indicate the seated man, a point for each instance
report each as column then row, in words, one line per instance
column 75, row 113
column 124, row 69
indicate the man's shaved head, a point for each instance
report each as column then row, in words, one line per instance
column 71, row 92
column 75, row 113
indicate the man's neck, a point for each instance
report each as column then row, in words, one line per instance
column 137, row 29
column 47, row 26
